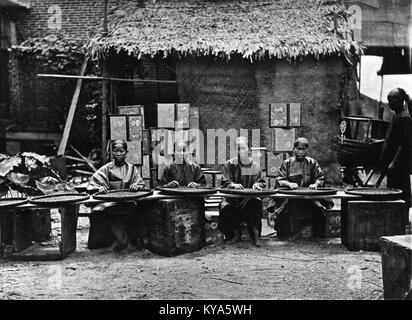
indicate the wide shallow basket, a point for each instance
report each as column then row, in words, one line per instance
column 186, row 191
column 12, row 202
column 375, row 193
column 248, row 192
column 352, row 153
column 122, row 195
column 59, row 199
column 308, row 192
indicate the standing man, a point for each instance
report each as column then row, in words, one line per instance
column 182, row 171
column 239, row 173
column 396, row 151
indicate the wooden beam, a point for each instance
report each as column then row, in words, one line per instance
column 88, row 161
column 63, row 76
column 70, row 116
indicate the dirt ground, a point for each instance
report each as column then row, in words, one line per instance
column 306, row 269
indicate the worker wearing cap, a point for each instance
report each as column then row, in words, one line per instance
column 300, row 171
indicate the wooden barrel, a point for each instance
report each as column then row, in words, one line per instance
column 364, row 222
column 175, row 226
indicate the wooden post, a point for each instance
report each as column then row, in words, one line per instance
column 104, row 90
column 68, row 229
column 22, row 229
column 72, row 110
column 105, row 109
column 380, row 108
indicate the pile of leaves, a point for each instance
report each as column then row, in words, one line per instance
column 27, row 174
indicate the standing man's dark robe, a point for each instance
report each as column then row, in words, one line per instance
column 397, row 149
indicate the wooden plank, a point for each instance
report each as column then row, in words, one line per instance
column 72, row 110
column 36, row 253
column 22, row 230
column 68, row 229
column 88, row 161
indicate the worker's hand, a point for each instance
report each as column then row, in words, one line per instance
column 391, row 166
column 193, row 185
column 293, row 185
column 236, row 186
column 257, row 186
column 313, row 186
column 172, row 184
column 103, row 189
column 136, row 187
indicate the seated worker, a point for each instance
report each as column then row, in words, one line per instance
column 113, row 222
column 182, row 171
column 301, row 171
column 239, row 173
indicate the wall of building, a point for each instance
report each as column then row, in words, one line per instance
column 237, row 94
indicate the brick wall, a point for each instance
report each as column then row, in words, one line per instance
column 316, row 85
column 237, row 95
column 43, row 103
column 78, row 16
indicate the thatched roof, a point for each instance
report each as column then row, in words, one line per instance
column 253, row 28
column 15, row 3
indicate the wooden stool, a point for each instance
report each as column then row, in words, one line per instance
column 175, row 226
column 396, row 267
column 364, row 222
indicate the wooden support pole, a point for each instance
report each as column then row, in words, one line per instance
column 65, row 76
column 68, row 229
column 105, row 109
column 380, row 108
column 72, row 110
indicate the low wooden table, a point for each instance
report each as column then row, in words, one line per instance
column 364, row 222
column 69, row 213
column 22, row 237
column 396, row 254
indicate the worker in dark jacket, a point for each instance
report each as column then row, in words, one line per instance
column 396, row 151
column 182, row 171
column 301, row 171
column 239, row 173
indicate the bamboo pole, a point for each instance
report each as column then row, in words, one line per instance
column 104, row 91
column 72, row 110
column 63, row 76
